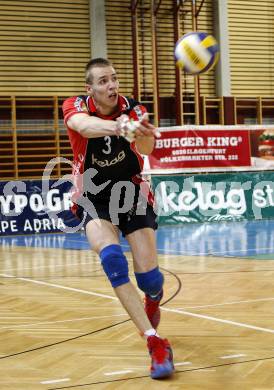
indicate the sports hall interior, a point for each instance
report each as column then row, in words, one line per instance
column 61, row 326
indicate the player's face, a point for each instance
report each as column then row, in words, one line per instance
column 104, row 88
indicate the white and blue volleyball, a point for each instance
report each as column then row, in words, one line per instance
column 196, row 52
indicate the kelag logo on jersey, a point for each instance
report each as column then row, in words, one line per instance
column 106, row 163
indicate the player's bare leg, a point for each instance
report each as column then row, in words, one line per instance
column 133, row 304
column 104, row 239
column 105, row 236
column 149, row 278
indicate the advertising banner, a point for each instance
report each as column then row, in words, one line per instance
column 215, row 197
column 27, row 209
column 201, row 148
column 212, row 148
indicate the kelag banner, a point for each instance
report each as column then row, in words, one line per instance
column 215, row 197
column 29, row 207
column 26, row 209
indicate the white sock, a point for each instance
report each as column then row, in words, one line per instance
column 151, row 332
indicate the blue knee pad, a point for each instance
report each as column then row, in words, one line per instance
column 115, row 265
column 150, row 282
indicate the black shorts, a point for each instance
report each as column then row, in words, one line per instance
column 128, row 222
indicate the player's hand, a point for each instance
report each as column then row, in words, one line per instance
column 133, row 129
column 145, row 129
column 123, row 126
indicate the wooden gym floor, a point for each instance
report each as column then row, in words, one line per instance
column 61, row 326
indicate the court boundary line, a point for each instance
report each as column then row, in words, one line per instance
column 176, row 372
column 15, row 327
column 177, row 311
column 240, row 324
column 228, row 303
column 60, row 286
column 51, row 265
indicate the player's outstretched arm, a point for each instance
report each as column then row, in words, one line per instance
column 92, row 127
column 145, row 134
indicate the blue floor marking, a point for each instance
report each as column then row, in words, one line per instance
column 231, row 239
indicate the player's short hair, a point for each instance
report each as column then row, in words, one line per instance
column 95, row 62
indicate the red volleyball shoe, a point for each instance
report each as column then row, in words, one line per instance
column 161, row 357
column 153, row 310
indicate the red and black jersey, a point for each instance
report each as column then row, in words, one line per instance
column 114, row 158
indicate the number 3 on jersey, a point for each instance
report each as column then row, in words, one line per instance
column 108, row 141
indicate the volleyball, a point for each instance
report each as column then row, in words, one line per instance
column 196, row 52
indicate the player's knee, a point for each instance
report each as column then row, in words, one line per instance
column 115, row 265
column 150, row 282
